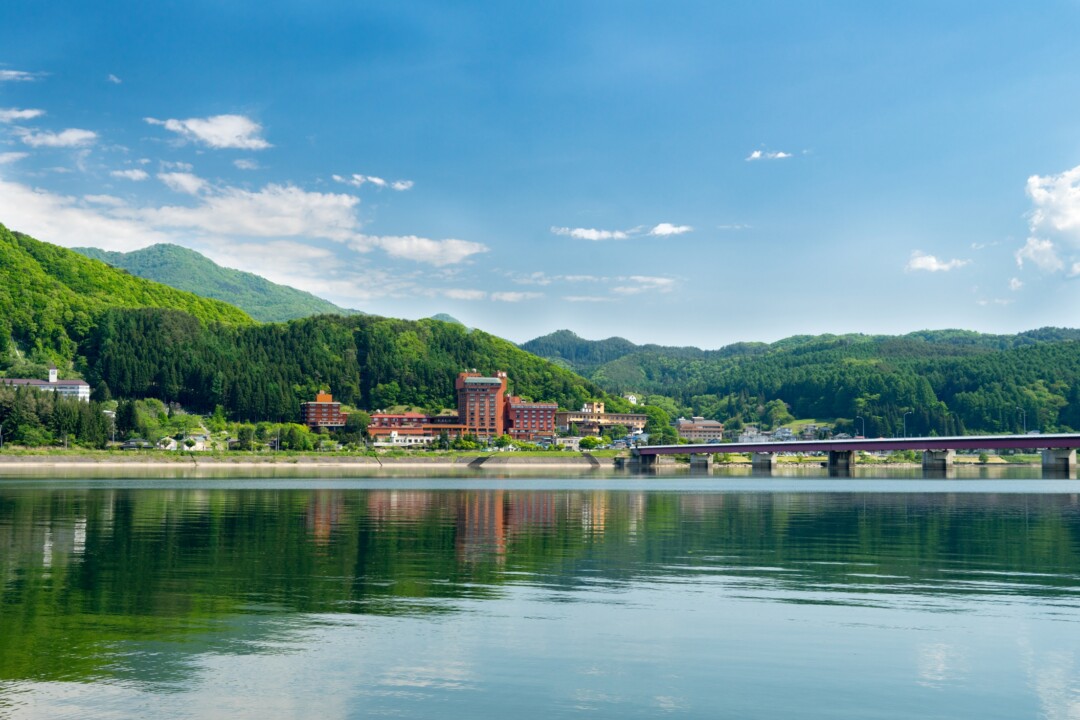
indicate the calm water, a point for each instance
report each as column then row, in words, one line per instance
column 794, row 597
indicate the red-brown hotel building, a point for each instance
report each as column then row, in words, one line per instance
column 484, row 410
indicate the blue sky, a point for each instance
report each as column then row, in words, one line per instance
column 684, row 173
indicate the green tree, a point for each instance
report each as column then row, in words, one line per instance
column 245, row 436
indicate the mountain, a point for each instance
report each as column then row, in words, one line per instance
column 264, row 372
column 939, row 381
column 51, row 297
column 446, row 318
column 586, row 356
column 133, row 338
column 186, row 269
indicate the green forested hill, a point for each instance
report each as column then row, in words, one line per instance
column 133, row 338
column 949, row 380
column 51, row 297
column 264, row 372
column 186, row 269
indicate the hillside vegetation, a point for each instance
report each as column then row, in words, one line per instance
column 51, row 298
column 949, row 380
column 264, row 372
column 187, row 270
column 133, row 338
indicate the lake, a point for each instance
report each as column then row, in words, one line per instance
column 728, row 596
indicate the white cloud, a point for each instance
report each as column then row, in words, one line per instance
column 995, row 301
column 543, row 279
column 1074, row 271
column 110, row 200
column 929, row 263
column 643, row 283
column 134, row 174
column 514, row 297
column 735, row 226
column 425, row 250
column 182, row 182
column 586, row 299
column 113, row 79
column 72, row 137
column 461, row 294
column 311, row 268
column 533, row 278
column 597, row 235
column 61, row 219
column 220, row 217
column 1041, row 253
column 768, row 155
column 18, row 76
column 12, row 114
column 590, row 233
column 666, row 229
column 218, row 131
column 1054, row 222
column 246, row 164
column 180, row 166
column 1015, row 284
column 10, row 157
column 274, row 211
column 357, row 180
column 1057, row 203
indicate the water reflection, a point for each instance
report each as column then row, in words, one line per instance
column 145, row 589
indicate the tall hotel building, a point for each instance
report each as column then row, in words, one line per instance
column 481, row 403
column 324, row 412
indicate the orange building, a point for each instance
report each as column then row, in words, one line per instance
column 530, row 420
column 412, row 428
column 481, row 403
column 324, row 412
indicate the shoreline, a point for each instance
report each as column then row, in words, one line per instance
column 16, row 462
column 9, row 463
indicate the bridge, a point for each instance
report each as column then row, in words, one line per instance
column 1058, row 451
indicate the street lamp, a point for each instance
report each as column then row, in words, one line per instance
column 1023, row 415
column 909, row 412
column 860, row 417
column 1, row 436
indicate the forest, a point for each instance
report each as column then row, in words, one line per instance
column 945, row 382
column 134, row 339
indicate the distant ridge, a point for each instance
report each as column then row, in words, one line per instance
column 443, row 317
column 929, row 381
column 51, row 297
column 188, row 270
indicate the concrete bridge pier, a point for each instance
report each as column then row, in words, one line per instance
column 1059, row 462
column 701, row 463
column 937, row 461
column 841, row 462
column 642, row 463
column 762, row 461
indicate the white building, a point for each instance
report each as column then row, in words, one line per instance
column 700, row 429
column 78, row 389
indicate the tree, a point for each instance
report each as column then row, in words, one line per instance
column 126, row 418
column 588, row 443
column 245, row 436
column 218, row 421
